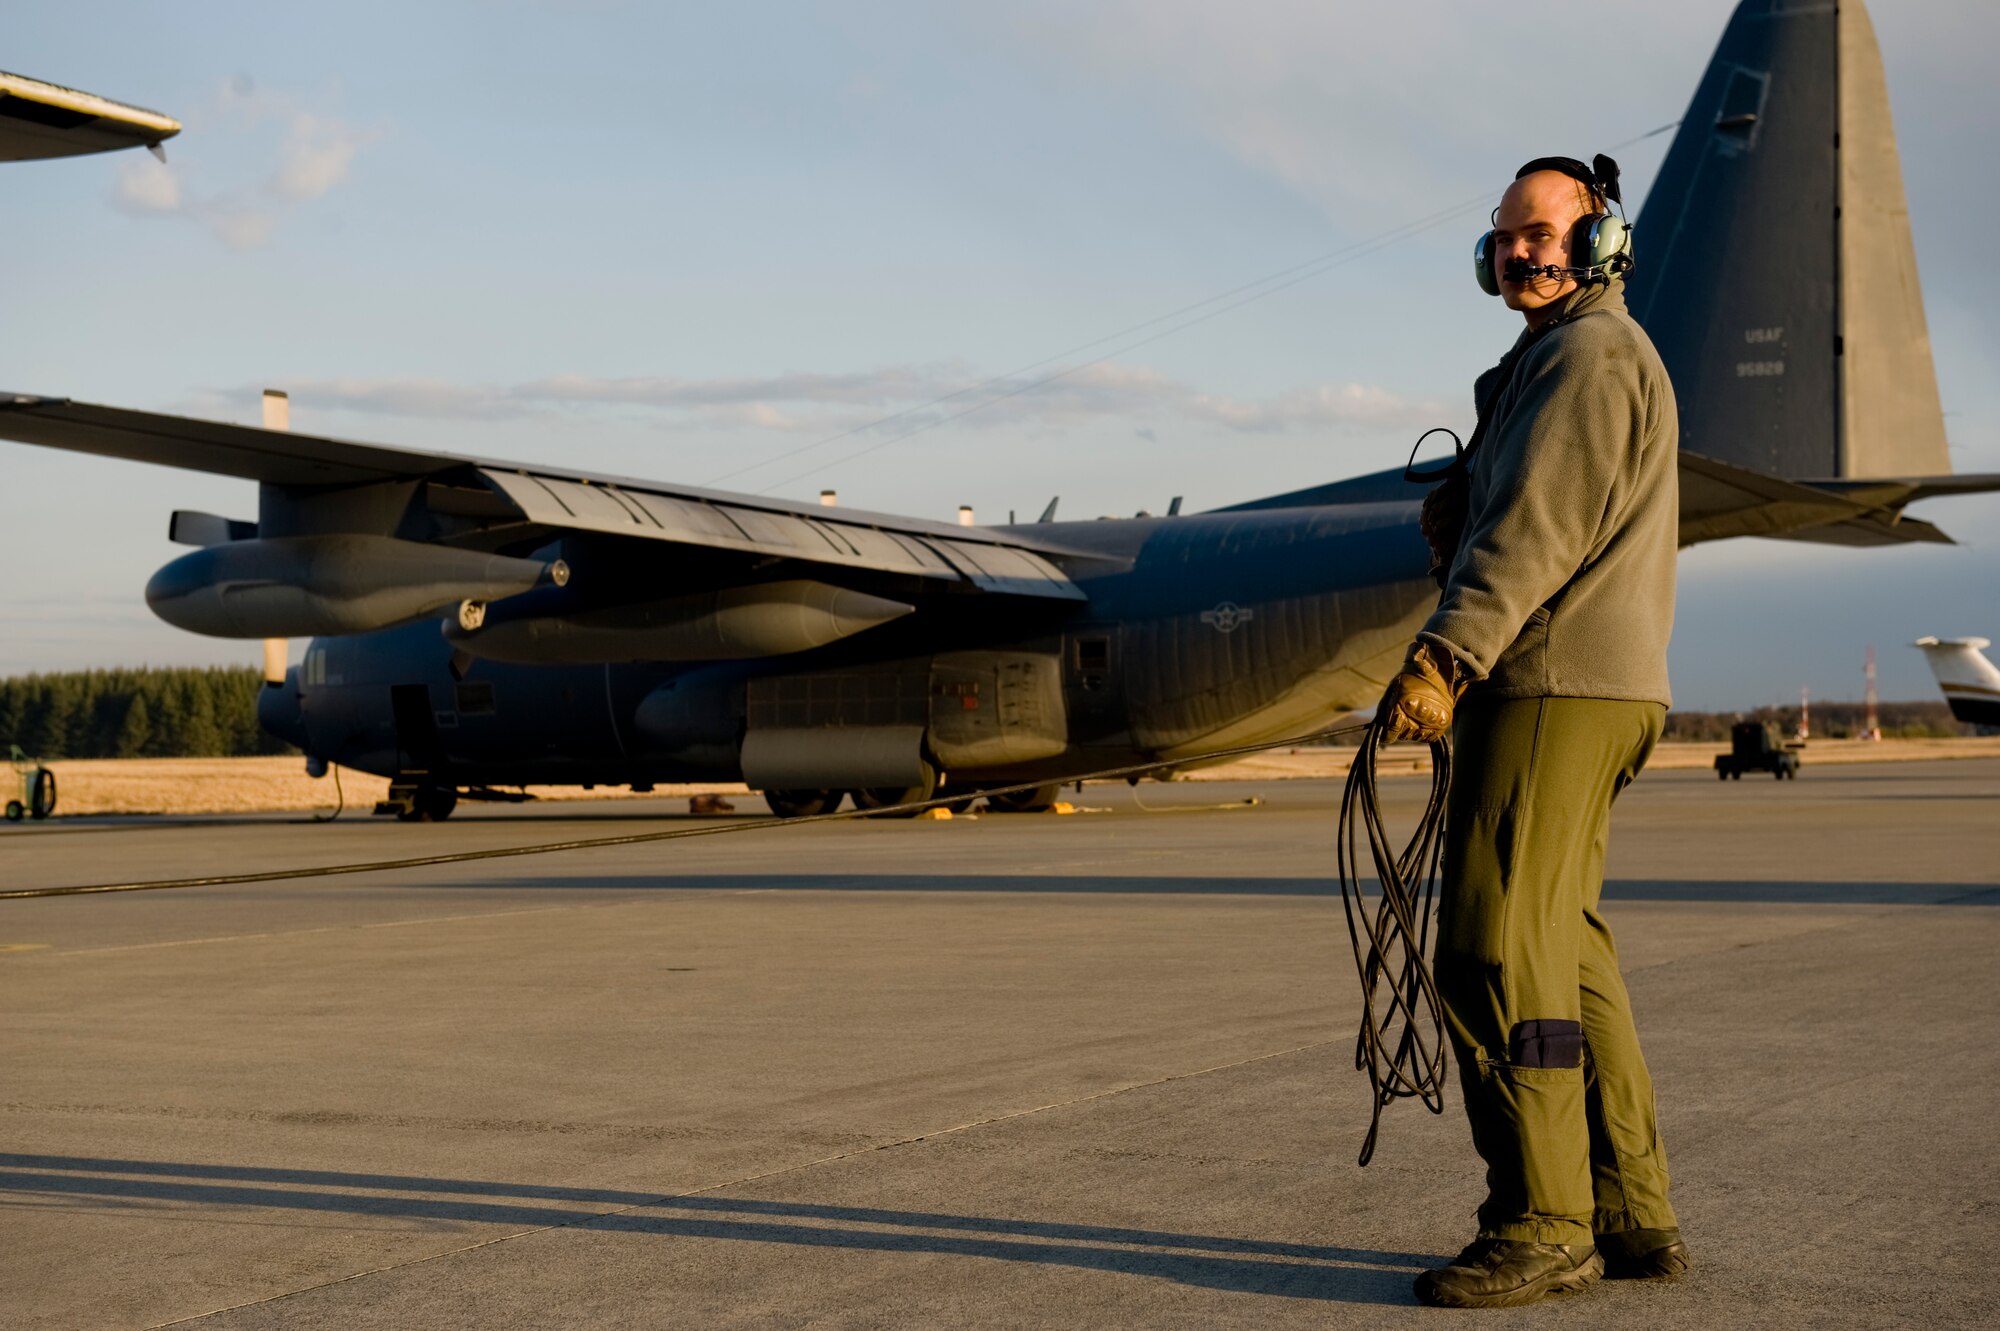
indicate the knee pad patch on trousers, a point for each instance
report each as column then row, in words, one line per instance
column 1546, row 1044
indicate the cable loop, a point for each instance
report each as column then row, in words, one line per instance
column 1401, row 1043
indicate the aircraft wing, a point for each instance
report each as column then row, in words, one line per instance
column 487, row 502
column 1720, row 500
column 39, row 120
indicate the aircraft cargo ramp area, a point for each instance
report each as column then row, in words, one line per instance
column 986, row 1072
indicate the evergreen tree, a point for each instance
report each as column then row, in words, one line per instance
column 149, row 712
column 169, row 712
column 136, row 733
column 48, row 724
column 13, row 711
column 200, row 737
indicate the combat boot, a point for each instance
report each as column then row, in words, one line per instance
column 1505, row 1273
column 1643, row 1254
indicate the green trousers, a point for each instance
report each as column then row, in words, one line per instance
column 1558, row 1093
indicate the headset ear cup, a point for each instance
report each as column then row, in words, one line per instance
column 1606, row 238
column 1615, row 241
column 1482, row 265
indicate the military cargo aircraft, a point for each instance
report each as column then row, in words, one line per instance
column 480, row 624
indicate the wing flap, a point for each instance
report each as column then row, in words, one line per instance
column 995, row 568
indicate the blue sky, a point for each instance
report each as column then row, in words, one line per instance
column 683, row 241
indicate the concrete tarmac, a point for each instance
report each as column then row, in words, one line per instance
column 1010, row 1071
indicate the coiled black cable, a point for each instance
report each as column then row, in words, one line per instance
column 1401, row 1044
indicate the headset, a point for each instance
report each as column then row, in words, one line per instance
column 1600, row 246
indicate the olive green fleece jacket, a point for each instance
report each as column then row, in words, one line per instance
column 1563, row 585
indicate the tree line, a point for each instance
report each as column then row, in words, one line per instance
column 1830, row 720
column 147, row 712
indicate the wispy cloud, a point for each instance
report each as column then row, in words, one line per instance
column 283, row 153
column 1342, row 103
column 815, row 403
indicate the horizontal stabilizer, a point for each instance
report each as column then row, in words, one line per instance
column 1871, row 531
column 1909, row 489
column 1720, row 500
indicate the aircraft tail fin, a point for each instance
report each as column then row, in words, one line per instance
column 1777, row 277
column 1776, row 273
column 1970, row 682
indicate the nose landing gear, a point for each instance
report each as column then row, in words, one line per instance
column 419, row 802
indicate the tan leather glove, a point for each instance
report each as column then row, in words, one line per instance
column 1418, row 702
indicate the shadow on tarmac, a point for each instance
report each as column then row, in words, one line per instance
column 1630, row 889
column 1292, row 1270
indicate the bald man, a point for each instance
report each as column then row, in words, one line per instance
column 1546, row 662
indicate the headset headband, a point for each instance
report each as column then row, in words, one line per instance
column 1600, row 177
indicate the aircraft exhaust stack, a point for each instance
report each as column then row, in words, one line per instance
column 304, row 586
column 733, row 623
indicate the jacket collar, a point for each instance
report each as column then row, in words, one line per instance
column 1594, row 296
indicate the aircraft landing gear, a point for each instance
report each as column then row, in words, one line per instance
column 413, row 803
column 883, row 797
column 801, row 803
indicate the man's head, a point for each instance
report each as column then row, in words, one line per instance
column 1534, row 225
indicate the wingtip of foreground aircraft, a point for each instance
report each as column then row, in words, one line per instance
column 41, row 120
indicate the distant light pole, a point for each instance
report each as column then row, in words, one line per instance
column 1871, row 725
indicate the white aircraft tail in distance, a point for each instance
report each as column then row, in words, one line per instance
column 1970, row 682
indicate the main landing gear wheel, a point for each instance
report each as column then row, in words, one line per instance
column 883, row 797
column 431, row 804
column 801, row 803
column 1039, row 800
column 16, row 811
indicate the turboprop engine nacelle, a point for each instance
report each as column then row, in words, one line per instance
column 733, row 623
column 304, row 586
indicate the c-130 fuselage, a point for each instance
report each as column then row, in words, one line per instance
column 1198, row 633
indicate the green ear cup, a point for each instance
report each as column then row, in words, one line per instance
column 1607, row 241
column 1482, row 265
